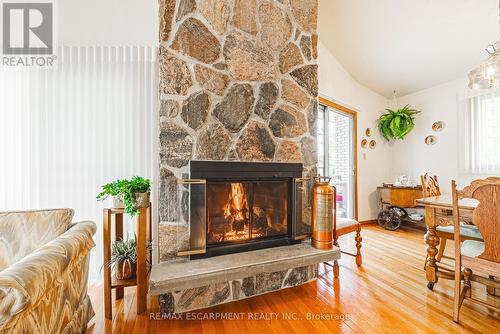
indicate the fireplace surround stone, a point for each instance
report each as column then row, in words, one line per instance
column 238, row 82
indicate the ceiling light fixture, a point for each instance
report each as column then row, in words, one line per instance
column 487, row 74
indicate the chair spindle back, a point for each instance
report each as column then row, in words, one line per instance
column 486, row 215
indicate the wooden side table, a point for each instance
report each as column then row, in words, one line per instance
column 141, row 279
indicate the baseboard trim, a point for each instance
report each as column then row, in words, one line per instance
column 368, row 222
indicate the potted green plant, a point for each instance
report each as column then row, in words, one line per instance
column 124, row 258
column 128, row 194
column 396, row 124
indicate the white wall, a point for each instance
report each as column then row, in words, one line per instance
column 107, row 23
column 374, row 166
column 413, row 157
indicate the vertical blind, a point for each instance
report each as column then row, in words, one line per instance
column 481, row 134
column 67, row 130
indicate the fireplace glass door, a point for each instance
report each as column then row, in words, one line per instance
column 245, row 211
column 270, row 209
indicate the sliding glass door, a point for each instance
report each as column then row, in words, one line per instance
column 336, row 155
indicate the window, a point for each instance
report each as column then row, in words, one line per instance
column 482, row 134
column 336, row 128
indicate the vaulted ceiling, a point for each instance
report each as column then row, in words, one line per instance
column 407, row 45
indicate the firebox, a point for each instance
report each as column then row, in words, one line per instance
column 242, row 206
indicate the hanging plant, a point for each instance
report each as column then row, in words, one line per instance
column 396, row 124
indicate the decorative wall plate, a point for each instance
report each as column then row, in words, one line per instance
column 368, row 132
column 373, row 143
column 438, row 126
column 364, row 143
column 431, row 140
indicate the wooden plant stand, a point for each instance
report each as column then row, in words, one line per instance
column 141, row 279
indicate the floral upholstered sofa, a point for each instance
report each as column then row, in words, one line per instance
column 44, row 263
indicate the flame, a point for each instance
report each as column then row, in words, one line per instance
column 237, row 202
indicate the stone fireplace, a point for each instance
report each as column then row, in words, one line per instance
column 238, row 82
column 238, row 87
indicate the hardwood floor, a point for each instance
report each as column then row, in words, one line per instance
column 387, row 295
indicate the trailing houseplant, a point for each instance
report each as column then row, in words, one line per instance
column 396, row 124
column 129, row 194
column 124, row 258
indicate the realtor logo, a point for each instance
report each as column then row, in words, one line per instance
column 27, row 29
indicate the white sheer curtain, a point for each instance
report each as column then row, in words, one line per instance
column 66, row 131
column 480, row 134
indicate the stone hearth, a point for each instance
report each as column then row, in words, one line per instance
column 186, row 285
column 238, row 81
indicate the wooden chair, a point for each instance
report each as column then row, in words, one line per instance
column 342, row 226
column 477, row 256
column 430, row 188
column 430, row 185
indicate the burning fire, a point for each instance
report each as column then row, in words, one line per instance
column 237, row 221
column 237, row 202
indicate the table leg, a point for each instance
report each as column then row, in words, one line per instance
column 118, row 236
column 432, row 241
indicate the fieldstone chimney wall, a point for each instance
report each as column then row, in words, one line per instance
column 238, row 81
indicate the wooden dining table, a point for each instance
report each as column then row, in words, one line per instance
column 439, row 212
